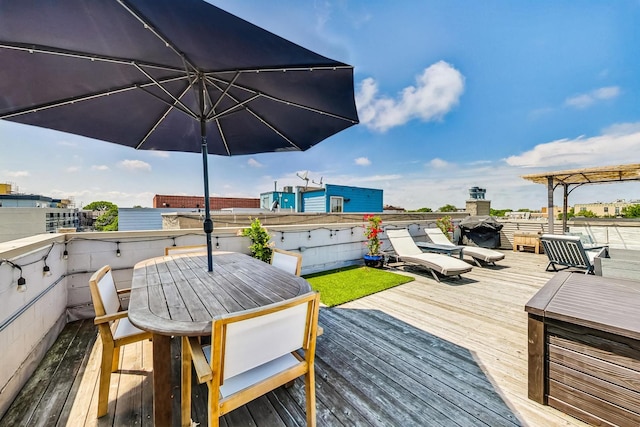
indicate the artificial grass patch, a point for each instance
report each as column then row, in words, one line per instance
column 347, row 284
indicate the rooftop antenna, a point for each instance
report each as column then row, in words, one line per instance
column 318, row 183
column 305, row 177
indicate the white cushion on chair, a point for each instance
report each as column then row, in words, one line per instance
column 255, row 375
column 125, row 329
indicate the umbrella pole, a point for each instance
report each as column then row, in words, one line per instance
column 208, row 223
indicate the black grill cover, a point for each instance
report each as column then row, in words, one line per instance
column 482, row 231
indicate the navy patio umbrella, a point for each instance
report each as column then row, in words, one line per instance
column 171, row 75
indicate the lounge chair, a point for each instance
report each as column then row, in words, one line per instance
column 408, row 252
column 479, row 255
column 569, row 252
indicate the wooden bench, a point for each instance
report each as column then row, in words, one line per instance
column 526, row 240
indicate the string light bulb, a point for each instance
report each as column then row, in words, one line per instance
column 118, row 253
column 46, row 271
column 22, row 283
column 65, row 254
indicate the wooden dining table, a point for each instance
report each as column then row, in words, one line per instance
column 175, row 295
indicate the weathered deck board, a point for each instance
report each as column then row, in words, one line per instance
column 425, row 353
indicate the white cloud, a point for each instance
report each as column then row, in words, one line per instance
column 254, row 163
column 161, row 154
column 437, row 91
column 585, row 100
column 135, row 165
column 67, row 143
column 18, row 174
column 612, row 147
column 438, row 163
column 100, row 167
column 72, row 169
column 362, row 161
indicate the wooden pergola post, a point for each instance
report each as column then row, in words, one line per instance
column 550, row 212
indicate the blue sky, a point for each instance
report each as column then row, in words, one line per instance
column 451, row 94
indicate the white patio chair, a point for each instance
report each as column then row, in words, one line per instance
column 291, row 262
column 114, row 327
column 253, row 352
column 174, row 250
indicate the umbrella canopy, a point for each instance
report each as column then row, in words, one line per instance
column 167, row 75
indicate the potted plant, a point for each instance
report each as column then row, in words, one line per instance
column 260, row 246
column 446, row 226
column 373, row 257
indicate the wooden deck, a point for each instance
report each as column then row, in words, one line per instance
column 425, row 353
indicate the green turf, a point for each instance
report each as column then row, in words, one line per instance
column 347, row 284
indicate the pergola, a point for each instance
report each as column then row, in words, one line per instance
column 572, row 179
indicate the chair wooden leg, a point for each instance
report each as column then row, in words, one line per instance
column 214, row 406
column 105, row 378
column 116, row 359
column 185, row 407
column 310, row 391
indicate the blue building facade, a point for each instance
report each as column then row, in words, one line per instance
column 341, row 198
column 286, row 200
column 331, row 198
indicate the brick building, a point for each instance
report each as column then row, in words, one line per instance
column 197, row 202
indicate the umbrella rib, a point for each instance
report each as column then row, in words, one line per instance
column 273, row 129
column 224, row 139
column 216, row 116
column 176, row 100
column 68, row 101
column 224, row 92
column 281, row 69
column 273, row 98
column 140, row 17
column 256, row 115
column 164, row 115
column 48, row 50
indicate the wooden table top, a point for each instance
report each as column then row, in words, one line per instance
column 603, row 303
column 176, row 295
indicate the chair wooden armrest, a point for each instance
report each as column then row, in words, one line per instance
column 202, row 367
column 110, row 317
column 124, row 291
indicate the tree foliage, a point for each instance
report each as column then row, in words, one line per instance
column 424, row 210
column 572, row 214
column 108, row 219
column 447, row 208
column 498, row 212
column 632, row 211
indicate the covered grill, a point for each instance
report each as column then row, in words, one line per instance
column 482, row 231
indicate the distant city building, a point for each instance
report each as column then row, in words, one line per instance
column 477, row 193
column 197, row 202
column 611, row 209
column 331, row 198
column 557, row 210
column 25, row 215
column 392, row 209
